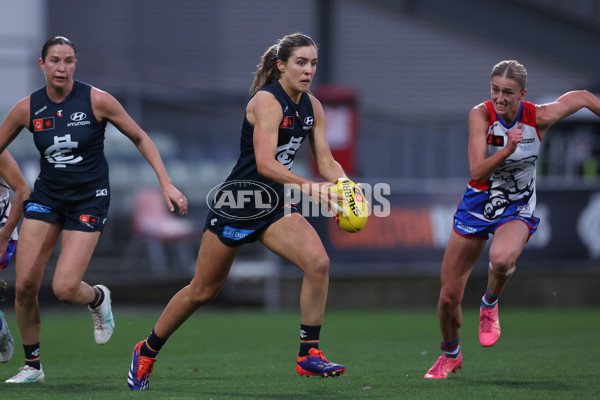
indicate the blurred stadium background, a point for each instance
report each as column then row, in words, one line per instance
column 397, row 77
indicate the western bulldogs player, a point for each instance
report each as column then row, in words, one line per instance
column 279, row 116
column 504, row 141
column 71, row 194
column 10, row 215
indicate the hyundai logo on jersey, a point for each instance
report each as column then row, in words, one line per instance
column 78, row 116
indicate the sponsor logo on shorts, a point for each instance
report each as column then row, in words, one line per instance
column 465, row 228
column 101, row 192
column 39, row 208
column 89, row 220
column 255, row 198
column 236, row 233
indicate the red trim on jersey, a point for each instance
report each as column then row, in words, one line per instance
column 491, row 113
column 528, row 116
column 485, row 185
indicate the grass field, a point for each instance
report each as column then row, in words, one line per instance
column 542, row 354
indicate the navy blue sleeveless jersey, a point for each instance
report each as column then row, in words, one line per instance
column 71, row 144
column 295, row 125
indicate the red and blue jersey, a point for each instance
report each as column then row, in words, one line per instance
column 510, row 191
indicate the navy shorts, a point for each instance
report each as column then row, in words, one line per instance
column 468, row 225
column 87, row 216
column 235, row 233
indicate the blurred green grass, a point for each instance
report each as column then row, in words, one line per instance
column 249, row 354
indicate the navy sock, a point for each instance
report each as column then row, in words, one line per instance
column 152, row 345
column 451, row 348
column 98, row 297
column 32, row 355
column 309, row 338
column 488, row 300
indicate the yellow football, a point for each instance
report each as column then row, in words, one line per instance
column 351, row 212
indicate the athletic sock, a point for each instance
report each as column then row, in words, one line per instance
column 98, row 297
column 32, row 355
column 488, row 300
column 451, row 348
column 309, row 338
column 152, row 345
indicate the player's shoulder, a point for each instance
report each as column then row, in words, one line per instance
column 263, row 99
column 21, row 111
column 481, row 110
column 315, row 103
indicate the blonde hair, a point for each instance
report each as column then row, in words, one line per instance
column 511, row 69
column 267, row 71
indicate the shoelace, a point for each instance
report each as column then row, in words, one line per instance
column 486, row 320
column 319, row 354
column 145, row 367
column 98, row 320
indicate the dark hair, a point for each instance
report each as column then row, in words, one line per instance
column 53, row 41
column 267, row 71
column 513, row 70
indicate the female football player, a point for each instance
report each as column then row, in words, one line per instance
column 505, row 133
column 71, row 195
column 11, row 178
column 279, row 116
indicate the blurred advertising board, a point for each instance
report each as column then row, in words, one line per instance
column 418, row 226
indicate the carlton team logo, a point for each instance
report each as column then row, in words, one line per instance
column 43, row 124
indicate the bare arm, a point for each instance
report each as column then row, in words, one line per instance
column 106, row 107
column 481, row 167
column 12, row 175
column 567, row 104
column 15, row 121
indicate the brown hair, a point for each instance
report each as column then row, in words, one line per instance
column 53, row 41
column 511, row 69
column 267, row 71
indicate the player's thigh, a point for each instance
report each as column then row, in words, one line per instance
column 508, row 242
column 293, row 238
column 77, row 248
column 459, row 259
column 34, row 248
column 214, row 261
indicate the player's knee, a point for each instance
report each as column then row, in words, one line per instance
column 199, row 296
column 317, row 266
column 25, row 291
column 449, row 298
column 65, row 293
column 502, row 264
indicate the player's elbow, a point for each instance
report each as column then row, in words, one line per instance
column 263, row 168
column 478, row 177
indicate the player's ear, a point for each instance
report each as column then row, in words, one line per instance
column 523, row 93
